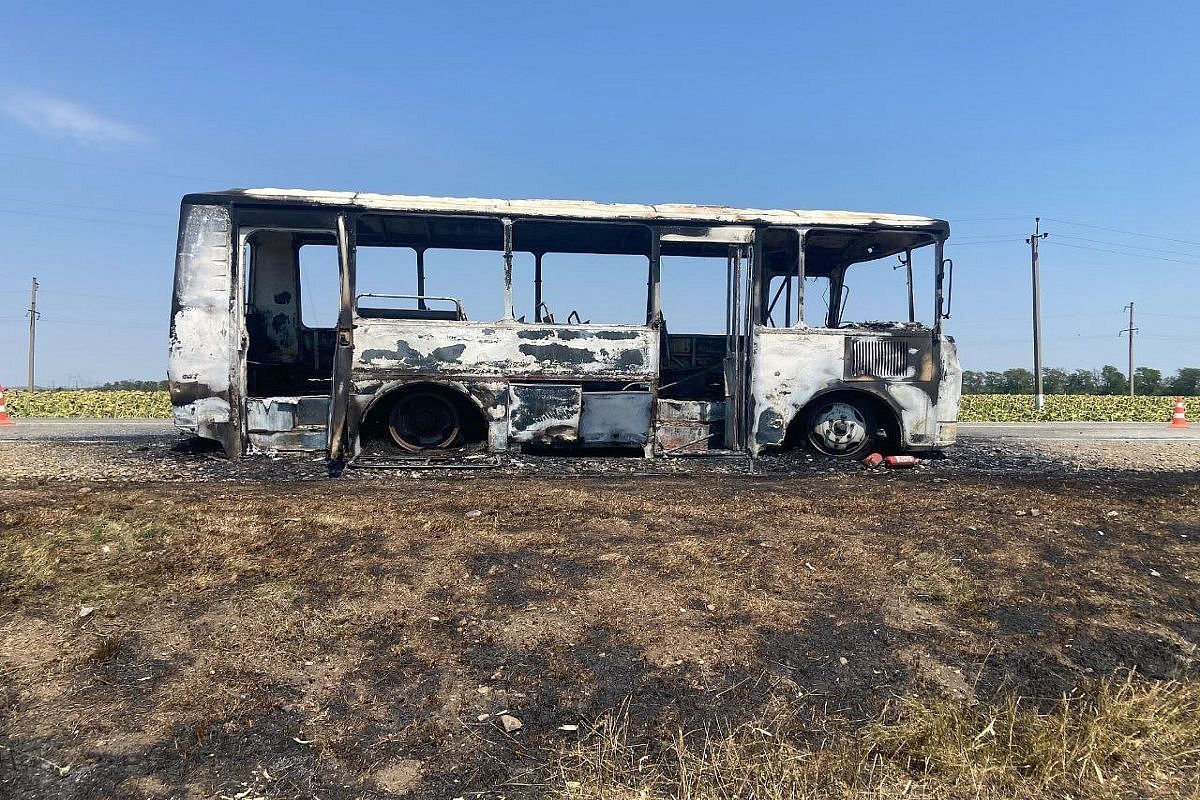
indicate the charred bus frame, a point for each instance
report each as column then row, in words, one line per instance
column 247, row 372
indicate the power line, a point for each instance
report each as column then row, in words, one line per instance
column 983, row 237
column 12, row 199
column 1176, row 316
column 84, row 219
column 991, row 219
column 1127, row 233
column 1123, row 245
column 109, row 168
column 1129, row 254
column 101, row 323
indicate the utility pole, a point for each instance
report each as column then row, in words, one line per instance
column 1039, row 397
column 33, row 315
column 1130, row 330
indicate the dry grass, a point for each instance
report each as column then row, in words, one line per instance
column 357, row 638
column 1124, row 738
column 937, row 577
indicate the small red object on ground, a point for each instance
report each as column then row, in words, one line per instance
column 873, row 460
column 900, row 462
column 1178, row 415
column 4, row 418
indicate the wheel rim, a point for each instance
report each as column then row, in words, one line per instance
column 423, row 421
column 838, row 429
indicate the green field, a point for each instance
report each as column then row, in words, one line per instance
column 975, row 407
column 1069, row 408
column 89, row 403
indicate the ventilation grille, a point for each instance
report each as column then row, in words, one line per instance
column 878, row 358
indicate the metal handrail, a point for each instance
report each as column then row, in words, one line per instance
column 457, row 303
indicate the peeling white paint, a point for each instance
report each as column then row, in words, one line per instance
column 212, row 409
column 615, row 418
column 791, row 366
column 585, row 209
column 199, row 348
column 506, row 349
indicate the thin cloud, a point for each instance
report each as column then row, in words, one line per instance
column 52, row 116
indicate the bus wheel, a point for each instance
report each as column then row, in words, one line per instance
column 841, row 427
column 424, row 421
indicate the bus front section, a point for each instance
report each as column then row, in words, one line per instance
column 850, row 356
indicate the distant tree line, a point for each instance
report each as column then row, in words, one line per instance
column 133, row 386
column 1107, row 380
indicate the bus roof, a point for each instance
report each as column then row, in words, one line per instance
column 573, row 209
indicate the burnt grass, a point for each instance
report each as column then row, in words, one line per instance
column 360, row 639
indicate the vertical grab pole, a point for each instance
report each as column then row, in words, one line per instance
column 343, row 353
column 912, row 303
column 736, row 389
column 421, row 278
column 508, row 261
column 800, row 276
column 750, row 318
column 787, row 301
column 537, row 287
column 654, row 280
column 728, row 305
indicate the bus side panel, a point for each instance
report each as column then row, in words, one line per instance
column 949, row 394
column 392, row 349
column 202, row 360
column 791, row 366
column 788, row 367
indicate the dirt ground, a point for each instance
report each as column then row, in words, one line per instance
column 174, row 626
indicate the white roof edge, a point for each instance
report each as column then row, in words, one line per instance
column 584, row 208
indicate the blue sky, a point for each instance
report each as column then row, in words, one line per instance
column 984, row 114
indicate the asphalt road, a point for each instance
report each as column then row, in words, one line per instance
column 1078, row 431
column 107, row 429
column 83, row 430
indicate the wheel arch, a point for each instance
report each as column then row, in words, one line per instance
column 470, row 408
column 887, row 413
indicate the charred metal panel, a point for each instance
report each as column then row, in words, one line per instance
column 945, row 411
column 270, row 414
column 791, row 366
column 615, row 418
column 287, row 423
column 679, row 439
column 312, row 411
column 691, row 410
column 203, row 355
column 878, row 357
column 266, row 414
column 689, row 426
column 291, row 441
column 544, row 413
column 393, row 349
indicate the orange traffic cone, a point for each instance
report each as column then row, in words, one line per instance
column 1178, row 416
column 4, row 418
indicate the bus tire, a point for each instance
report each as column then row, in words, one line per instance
column 424, row 420
column 842, row 426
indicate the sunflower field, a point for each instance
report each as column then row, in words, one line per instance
column 1070, row 408
column 88, row 403
column 975, row 407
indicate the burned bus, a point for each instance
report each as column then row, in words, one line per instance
column 790, row 359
